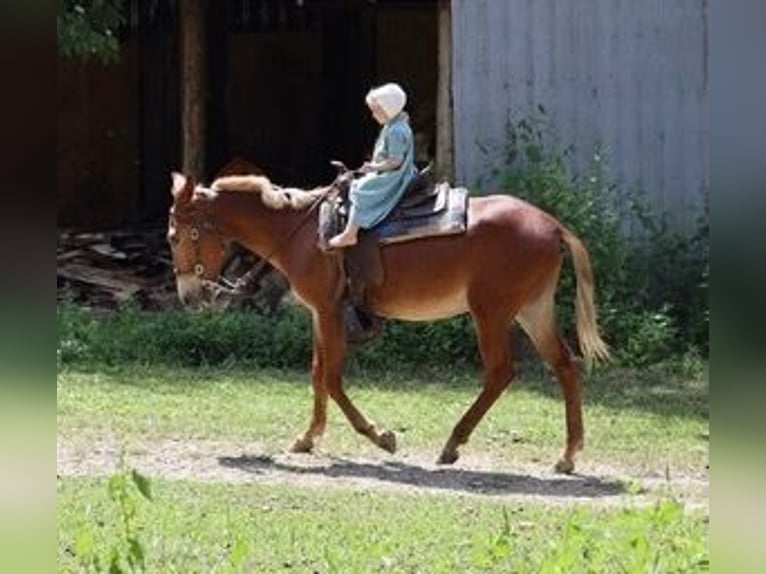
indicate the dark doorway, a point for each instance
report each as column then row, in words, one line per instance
column 159, row 106
column 288, row 79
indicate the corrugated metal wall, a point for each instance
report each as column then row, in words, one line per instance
column 629, row 75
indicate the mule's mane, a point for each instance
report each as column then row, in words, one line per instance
column 272, row 196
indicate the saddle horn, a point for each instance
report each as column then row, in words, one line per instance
column 339, row 165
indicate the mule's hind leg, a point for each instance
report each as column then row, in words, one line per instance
column 494, row 345
column 539, row 322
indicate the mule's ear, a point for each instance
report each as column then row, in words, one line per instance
column 180, row 183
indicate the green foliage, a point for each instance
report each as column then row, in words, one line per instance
column 283, row 340
column 634, row 543
column 87, row 29
column 632, row 540
column 651, row 282
column 122, row 550
column 648, row 336
column 197, row 527
column 447, row 342
column 177, row 337
column 246, row 338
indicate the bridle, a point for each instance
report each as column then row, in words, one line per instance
column 197, row 267
column 220, row 285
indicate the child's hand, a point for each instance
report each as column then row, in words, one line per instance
column 367, row 167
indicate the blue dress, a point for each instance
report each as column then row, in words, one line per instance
column 375, row 194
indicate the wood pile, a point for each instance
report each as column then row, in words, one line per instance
column 103, row 270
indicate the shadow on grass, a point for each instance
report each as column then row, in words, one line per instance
column 655, row 390
column 659, row 390
column 448, row 479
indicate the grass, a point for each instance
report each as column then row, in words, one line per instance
column 640, row 419
column 193, row 527
column 637, row 422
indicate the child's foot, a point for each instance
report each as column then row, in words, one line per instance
column 342, row 240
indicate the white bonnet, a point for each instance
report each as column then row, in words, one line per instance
column 390, row 97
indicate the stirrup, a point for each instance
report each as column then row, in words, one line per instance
column 360, row 326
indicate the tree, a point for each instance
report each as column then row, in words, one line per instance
column 88, row 29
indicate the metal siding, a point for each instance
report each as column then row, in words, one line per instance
column 628, row 75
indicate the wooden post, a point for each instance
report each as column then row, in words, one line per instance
column 193, row 86
column 444, row 138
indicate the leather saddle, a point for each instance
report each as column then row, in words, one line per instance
column 421, row 197
column 425, row 210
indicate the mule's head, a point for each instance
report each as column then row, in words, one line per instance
column 198, row 250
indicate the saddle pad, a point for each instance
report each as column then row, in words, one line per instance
column 449, row 221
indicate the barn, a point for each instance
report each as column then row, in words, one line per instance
column 281, row 83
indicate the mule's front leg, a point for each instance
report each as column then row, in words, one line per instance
column 385, row 439
column 306, row 442
column 332, row 345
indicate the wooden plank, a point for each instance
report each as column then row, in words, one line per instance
column 192, row 22
column 70, row 254
column 120, row 286
column 107, row 250
column 444, row 138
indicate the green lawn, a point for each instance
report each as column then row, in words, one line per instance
column 192, row 527
column 637, row 424
column 650, row 420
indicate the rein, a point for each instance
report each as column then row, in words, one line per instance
column 240, row 286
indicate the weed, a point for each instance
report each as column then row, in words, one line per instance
column 124, row 550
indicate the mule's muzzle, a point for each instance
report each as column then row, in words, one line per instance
column 192, row 292
column 198, row 294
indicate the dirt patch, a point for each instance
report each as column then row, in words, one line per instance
column 184, row 459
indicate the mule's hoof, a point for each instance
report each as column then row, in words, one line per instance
column 564, row 466
column 448, row 457
column 302, row 445
column 387, row 441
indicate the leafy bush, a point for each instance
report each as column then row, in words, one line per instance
column 283, row 340
column 651, row 279
column 88, row 30
column 180, row 338
column 447, row 342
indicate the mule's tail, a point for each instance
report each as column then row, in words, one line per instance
column 591, row 343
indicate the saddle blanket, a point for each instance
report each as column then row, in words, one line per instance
column 449, row 220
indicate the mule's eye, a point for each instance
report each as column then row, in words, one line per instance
column 172, row 235
column 194, row 233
